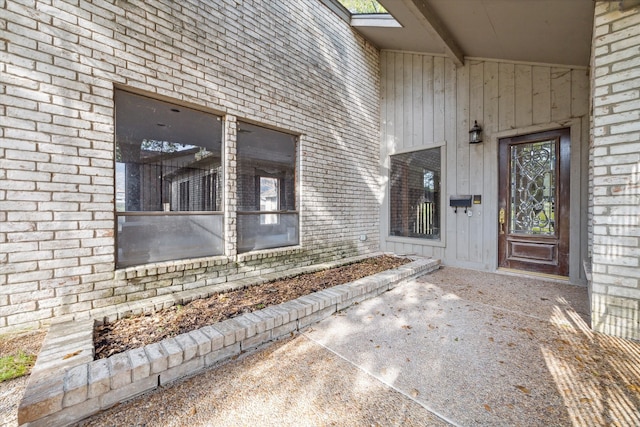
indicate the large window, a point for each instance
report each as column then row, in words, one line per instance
column 168, row 195
column 267, row 216
column 415, row 194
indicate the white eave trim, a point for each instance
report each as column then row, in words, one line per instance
column 374, row 20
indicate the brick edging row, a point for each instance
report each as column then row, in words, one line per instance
column 67, row 385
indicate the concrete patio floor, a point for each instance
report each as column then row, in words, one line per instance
column 454, row 347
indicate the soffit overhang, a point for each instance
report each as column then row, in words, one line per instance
column 537, row 31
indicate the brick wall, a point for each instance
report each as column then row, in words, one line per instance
column 615, row 160
column 290, row 65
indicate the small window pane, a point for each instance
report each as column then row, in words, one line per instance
column 266, row 177
column 254, row 234
column 168, row 160
column 152, row 238
column 415, row 194
column 163, row 154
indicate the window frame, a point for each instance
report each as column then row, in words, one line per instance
column 259, row 173
column 441, row 242
column 165, row 210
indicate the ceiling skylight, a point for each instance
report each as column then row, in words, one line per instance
column 361, row 7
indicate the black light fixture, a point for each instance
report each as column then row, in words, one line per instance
column 475, row 134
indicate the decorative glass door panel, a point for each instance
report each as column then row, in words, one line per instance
column 533, row 188
column 533, row 207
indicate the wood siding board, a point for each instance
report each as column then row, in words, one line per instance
column 438, row 252
column 418, row 100
column 462, row 147
column 560, row 94
column 579, row 93
column 524, row 96
column 476, row 159
column 506, row 113
column 389, row 131
column 448, row 124
column 384, row 106
column 462, row 126
column 418, row 249
column 541, row 79
column 428, row 98
column 491, row 101
column 438, row 99
column 476, row 95
column 407, row 116
column 398, row 103
column 490, row 190
column 407, row 248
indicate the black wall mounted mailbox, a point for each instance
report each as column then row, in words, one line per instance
column 460, row 201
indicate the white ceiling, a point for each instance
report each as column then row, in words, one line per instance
column 545, row 31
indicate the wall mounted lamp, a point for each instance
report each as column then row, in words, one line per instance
column 475, row 134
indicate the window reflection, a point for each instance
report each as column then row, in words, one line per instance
column 415, row 194
column 267, row 216
column 168, row 160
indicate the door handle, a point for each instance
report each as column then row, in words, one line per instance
column 501, row 220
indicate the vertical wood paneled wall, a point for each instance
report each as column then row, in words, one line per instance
column 428, row 101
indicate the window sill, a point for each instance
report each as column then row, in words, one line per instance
column 145, row 270
column 269, row 253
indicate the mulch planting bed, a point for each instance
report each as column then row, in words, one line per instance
column 138, row 331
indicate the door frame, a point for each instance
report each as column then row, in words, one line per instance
column 530, row 253
column 578, row 190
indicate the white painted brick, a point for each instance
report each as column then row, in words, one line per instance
column 77, row 89
column 72, row 271
column 632, row 62
column 174, row 352
column 27, row 195
column 616, row 98
column 633, row 21
column 18, row 123
column 15, row 308
column 614, row 273
column 27, row 96
column 626, row 106
column 157, row 356
column 618, row 118
column 625, row 128
column 98, row 378
column 30, row 318
column 140, row 365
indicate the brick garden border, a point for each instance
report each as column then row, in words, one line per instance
column 67, row 385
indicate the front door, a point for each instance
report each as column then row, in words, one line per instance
column 533, row 220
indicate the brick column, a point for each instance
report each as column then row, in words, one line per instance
column 230, row 181
column 615, row 170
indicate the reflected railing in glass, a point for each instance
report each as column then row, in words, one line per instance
column 155, row 237
column 265, row 230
